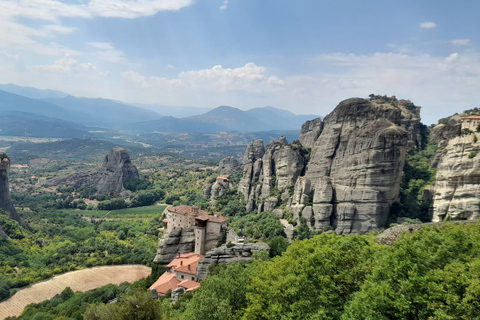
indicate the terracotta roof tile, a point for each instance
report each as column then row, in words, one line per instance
column 191, row 268
column 189, row 285
column 167, row 281
column 184, row 259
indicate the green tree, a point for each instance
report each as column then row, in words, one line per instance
column 430, row 274
column 313, row 279
column 221, row 296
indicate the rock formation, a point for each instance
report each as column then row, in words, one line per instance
column 353, row 169
column 241, row 252
column 116, row 169
column 175, row 242
column 457, row 186
column 228, row 166
column 5, row 202
column 269, row 169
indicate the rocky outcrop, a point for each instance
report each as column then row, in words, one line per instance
column 228, row 166
column 279, row 167
column 242, row 252
column 442, row 134
column 252, row 166
column 353, row 170
column 5, row 202
column 457, row 187
column 392, row 234
column 116, row 169
column 175, row 242
column 310, row 132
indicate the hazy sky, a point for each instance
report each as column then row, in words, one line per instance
column 301, row 55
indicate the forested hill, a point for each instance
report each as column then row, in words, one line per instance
column 429, row 274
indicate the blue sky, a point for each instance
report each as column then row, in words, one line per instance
column 304, row 56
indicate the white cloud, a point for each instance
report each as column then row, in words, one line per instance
column 443, row 84
column 67, row 64
column 461, row 42
column 102, row 45
column 10, row 56
column 107, row 52
column 428, row 25
column 133, row 9
column 249, row 78
column 22, row 37
column 224, row 5
column 52, row 10
column 55, row 29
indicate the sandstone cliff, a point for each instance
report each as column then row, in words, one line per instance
column 457, row 188
column 5, row 202
column 354, row 161
column 173, row 243
column 116, row 169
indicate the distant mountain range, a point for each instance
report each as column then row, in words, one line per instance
column 48, row 113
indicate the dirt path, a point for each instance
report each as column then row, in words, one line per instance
column 81, row 280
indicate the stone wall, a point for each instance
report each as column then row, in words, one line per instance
column 225, row 255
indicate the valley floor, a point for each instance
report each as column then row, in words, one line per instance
column 80, row 280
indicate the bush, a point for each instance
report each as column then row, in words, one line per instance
column 472, row 154
column 114, row 204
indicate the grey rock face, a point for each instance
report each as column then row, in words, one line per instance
column 310, row 132
column 279, row 168
column 355, row 167
column 5, row 202
column 252, row 165
column 218, row 189
column 442, row 134
column 173, row 243
column 116, row 169
column 223, row 255
column 457, row 186
column 119, row 168
column 228, row 166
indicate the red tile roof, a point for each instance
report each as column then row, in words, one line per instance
column 167, row 281
column 190, row 268
column 189, row 285
column 184, row 259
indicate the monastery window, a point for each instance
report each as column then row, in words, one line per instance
column 182, row 276
column 193, row 278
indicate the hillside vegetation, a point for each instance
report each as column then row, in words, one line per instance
column 432, row 273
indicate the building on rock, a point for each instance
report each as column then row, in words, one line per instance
column 181, row 273
column 188, row 228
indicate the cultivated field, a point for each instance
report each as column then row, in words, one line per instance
column 128, row 213
column 81, row 280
